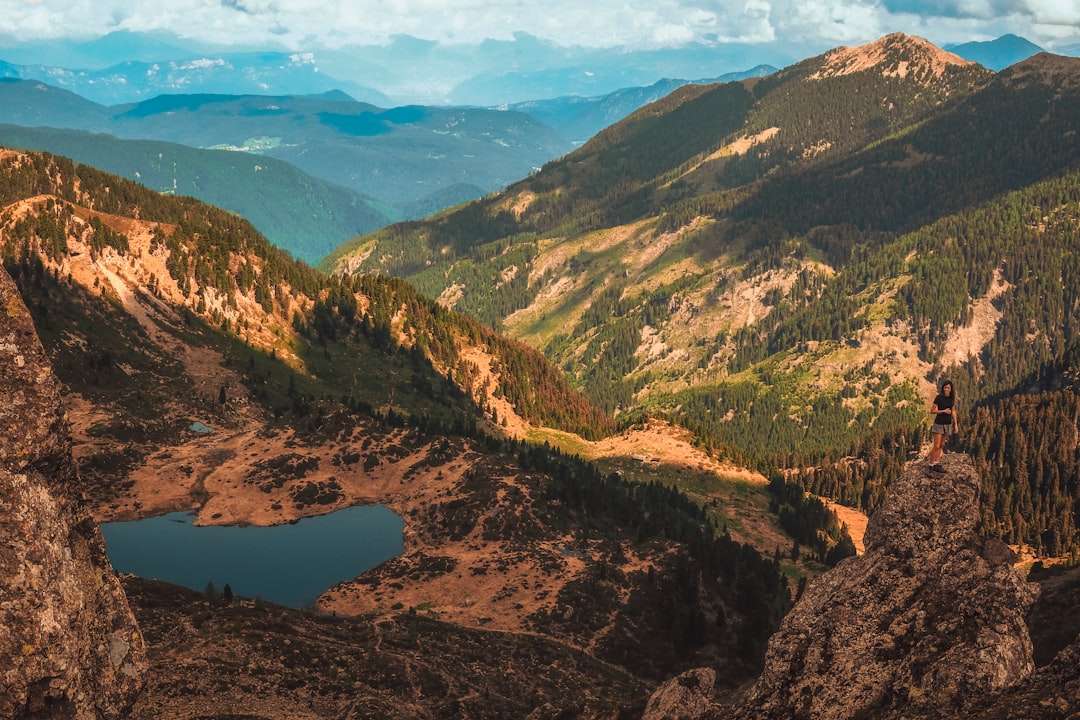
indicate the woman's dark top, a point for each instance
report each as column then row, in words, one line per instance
column 944, row 402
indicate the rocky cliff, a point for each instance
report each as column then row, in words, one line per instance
column 931, row 616
column 69, row 645
column 931, row 621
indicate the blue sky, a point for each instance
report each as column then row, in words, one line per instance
column 304, row 24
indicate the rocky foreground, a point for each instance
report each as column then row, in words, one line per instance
column 70, row 648
column 931, row 622
column 930, row 617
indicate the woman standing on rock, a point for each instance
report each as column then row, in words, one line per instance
column 944, row 412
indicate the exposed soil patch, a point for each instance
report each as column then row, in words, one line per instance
column 660, row 442
column 853, row 519
column 968, row 341
column 847, row 60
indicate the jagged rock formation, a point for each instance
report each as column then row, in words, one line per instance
column 687, row 696
column 69, row 645
column 929, row 620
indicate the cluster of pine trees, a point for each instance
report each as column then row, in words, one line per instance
column 714, row 592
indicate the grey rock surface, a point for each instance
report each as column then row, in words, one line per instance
column 686, row 697
column 929, row 619
column 69, row 645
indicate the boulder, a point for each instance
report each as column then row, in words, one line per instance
column 686, row 697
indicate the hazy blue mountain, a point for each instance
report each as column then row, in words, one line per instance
column 263, row 73
column 111, row 49
column 127, row 67
column 440, row 200
column 33, row 103
column 595, row 72
column 996, row 54
column 396, row 155
column 304, row 215
column 580, row 118
column 399, row 155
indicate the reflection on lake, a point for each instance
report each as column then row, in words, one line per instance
column 288, row 564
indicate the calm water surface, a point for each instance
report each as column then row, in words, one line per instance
column 288, row 564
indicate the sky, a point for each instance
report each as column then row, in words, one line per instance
column 639, row 24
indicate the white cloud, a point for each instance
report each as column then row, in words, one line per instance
column 1064, row 13
column 201, row 64
column 304, row 24
column 829, row 23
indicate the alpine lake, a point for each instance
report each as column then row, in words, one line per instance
column 290, row 564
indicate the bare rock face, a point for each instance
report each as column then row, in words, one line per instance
column 69, row 645
column 928, row 621
column 686, row 697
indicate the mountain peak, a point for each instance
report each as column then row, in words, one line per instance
column 895, row 55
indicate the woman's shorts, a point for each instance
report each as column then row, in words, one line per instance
column 946, row 430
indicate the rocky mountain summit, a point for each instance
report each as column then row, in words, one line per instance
column 69, row 645
column 932, row 621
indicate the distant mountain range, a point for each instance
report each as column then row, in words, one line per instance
column 128, row 67
column 386, row 163
column 352, row 167
column 365, row 165
column 997, row 54
column 579, row 118
column 265, row 73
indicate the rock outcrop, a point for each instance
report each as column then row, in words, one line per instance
column 931, row 619
column 929, row 622
column 687, row 696
column 69, row 645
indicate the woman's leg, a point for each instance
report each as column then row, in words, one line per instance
column 939, row 445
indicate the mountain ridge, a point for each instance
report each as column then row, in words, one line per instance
column 999, row 53
column 712, row 262
column 301, row 214
column 405, row 156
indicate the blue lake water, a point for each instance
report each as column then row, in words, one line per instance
column 288, row 564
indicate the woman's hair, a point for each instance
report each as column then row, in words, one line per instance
column 949, row 383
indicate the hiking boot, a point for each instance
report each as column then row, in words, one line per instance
column 936, row 467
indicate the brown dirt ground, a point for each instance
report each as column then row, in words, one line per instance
column 854, row 519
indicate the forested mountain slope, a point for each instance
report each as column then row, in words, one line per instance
column 213, row 265
column 301, row 214
column 787, row 265
column 395, row 155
